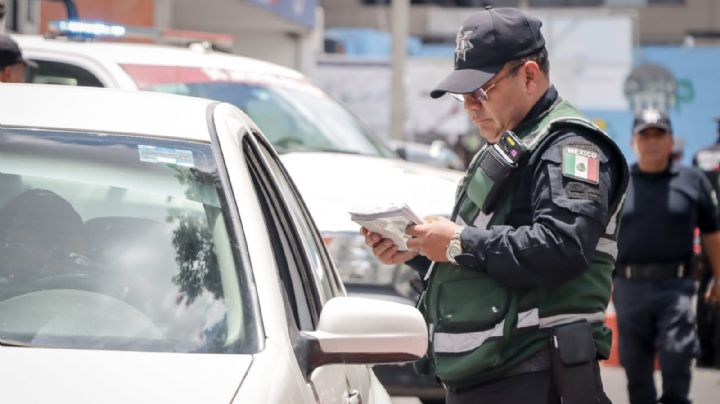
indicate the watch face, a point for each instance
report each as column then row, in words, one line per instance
column 453, row 251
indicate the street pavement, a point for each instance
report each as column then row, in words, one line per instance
column 705, row 387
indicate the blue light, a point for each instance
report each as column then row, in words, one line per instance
column 89, row 29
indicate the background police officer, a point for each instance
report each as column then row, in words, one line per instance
column 12, row 65
column 518, row 268
column 708, row 317
column 653, row 288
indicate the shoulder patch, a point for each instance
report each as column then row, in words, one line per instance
column 581, row 163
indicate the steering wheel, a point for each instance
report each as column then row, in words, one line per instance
column 49, row 314
column 92, row 279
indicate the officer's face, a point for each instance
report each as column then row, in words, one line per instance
column 653, row 146
column 502, row 110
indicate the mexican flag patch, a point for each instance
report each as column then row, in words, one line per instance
column 581, row 164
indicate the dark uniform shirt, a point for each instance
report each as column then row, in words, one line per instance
column 661, row 212
column 707, row 159
column 554, row 223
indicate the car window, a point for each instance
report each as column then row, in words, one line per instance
column 50, row 72
column 118, row 242
column 325, row 277
column 294, row 115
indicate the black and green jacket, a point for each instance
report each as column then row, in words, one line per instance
column 543, row 258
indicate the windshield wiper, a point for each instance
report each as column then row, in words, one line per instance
column 12, row 342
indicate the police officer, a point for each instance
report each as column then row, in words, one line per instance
column 12, row 64
column 707, row 159
column 519, row 279
column 653, row 288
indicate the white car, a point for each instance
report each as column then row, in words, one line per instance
column 154, row 250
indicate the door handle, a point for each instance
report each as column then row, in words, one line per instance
column 353, row 397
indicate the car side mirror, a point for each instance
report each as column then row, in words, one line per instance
column 360, row 330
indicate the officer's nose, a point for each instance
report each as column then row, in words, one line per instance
column 472, row 103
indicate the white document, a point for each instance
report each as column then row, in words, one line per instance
column 389, row 221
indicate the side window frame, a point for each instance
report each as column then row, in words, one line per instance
column 297, row 282
column 334, row 283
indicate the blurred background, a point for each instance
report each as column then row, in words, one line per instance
column 608, row 57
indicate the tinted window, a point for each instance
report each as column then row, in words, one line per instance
column 62, row 73
column 319, row 264
column 300, row 291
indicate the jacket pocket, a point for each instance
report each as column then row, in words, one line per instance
column 473, row 304
column 471, row 327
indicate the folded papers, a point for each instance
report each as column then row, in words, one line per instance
column 388, row 221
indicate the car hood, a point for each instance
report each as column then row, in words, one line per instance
column 332, row 184
column 32, row 375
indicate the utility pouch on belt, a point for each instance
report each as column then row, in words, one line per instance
column 498, row 164
column 574, row 361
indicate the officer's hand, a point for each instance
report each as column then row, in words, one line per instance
column 431, row 238
column 385, row 250
column 712, row 296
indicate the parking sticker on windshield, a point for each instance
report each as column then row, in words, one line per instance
column 152, row 154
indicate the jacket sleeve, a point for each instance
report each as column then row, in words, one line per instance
column 568, row 217
column 420, row 263
column 707, row 206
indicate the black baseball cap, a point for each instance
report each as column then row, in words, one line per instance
column 651, row 118
column 485, row 42
column 10, row 53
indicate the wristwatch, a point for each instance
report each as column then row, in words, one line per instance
column 454, row 247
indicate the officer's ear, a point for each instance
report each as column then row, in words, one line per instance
column 531, row 74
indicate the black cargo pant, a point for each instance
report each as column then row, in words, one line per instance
column 528, row 388
column 708, row 326
column 656, row 316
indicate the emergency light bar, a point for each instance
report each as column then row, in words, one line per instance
column 87, row 30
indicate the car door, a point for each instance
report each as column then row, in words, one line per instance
column 299, row 265
column 324, row 282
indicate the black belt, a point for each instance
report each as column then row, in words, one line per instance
column 654, row 271
column 537, row 362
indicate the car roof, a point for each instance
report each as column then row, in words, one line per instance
column 153, row 54
column 104, row 110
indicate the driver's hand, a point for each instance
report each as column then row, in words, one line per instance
column 385, row 250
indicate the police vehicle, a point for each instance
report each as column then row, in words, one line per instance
column 336, row 163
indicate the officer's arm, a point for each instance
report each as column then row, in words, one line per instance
column 568, row 218
column 709, row 223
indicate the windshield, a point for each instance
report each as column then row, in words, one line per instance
column 294, row 115
column 117, row 242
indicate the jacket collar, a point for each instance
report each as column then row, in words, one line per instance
column 541, row 108
column 672, row 169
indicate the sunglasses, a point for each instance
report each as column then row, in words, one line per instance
column 481, row 94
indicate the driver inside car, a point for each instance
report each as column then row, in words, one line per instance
column 40, row 237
